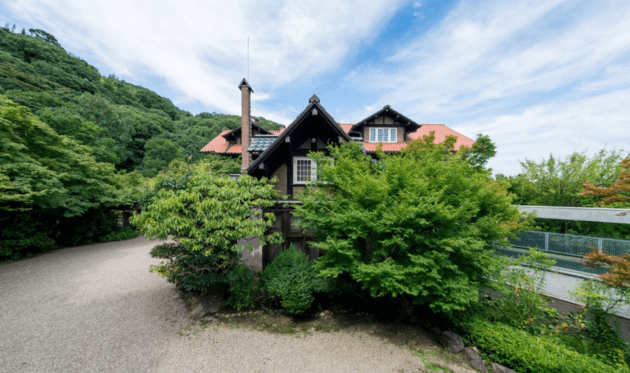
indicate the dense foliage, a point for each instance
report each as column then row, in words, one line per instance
column 293, row 279
column 419, row 224
column 526, row 353
column 73, row 141
column 521, row 305
column 47, row 183
column 618, row 193
column 117, row 120
column 206, row 214
column 560, row 182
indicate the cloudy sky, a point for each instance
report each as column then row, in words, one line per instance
column 538, row 77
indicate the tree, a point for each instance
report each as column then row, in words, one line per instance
column 418, row 225
column 44, row 179
column 617, row 193
column 43, row 35
column 159, row 153
column 206, row 214
column 480, row 153
column 559, row 182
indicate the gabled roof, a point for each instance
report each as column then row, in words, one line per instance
column 218, row 145
column 313, row 105
column 346, row 127
column 441, row 131
column 236, row 132
column 221, row 145
column 388, row 111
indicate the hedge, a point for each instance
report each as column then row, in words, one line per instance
column 526, row 353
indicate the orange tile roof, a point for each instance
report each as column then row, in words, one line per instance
column 441, row 131
column 370, row 147
column 345, row 127
column 234, row 149
column 218, row 145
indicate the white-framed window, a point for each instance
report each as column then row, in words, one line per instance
column 304, row 170
column 383, row 134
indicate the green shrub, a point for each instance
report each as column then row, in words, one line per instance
column 121, row 234
column 419, row 224
column 188, row 268
column 86, row 228
column 603, row 340
column 525, row 353
column 206, row 214
column 292, row 278
column 241, row 280
column 24, row 233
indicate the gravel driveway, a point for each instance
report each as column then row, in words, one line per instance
column 97, row 308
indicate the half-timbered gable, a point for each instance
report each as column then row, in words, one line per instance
column 286, row 157
column 387, row 127
column 283, row 154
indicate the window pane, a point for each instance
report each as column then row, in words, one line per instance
column 372, row 134
column 304, row 170
column 392, row 135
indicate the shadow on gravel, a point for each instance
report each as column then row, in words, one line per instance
column 356, row 322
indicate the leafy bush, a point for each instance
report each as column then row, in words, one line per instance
column 121, row 234
column 420, row 224
column 526, row 353
column 206, row 215
column 521, row 304
column 24, row 233
column 188, row 269
column 601, row 298
column 292, row 278
column 241, row 281
column 87, row 228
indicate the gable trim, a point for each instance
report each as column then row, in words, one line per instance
column 291, row 128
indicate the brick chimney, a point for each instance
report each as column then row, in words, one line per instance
column 246, row 127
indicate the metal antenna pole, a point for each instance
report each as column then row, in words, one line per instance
column 248, row 58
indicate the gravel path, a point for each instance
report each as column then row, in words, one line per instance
column 97, row 308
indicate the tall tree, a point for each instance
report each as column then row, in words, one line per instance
column 617, row 193
column 420, row 225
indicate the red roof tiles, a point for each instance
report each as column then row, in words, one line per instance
column 370, row 147
column 220, row 145
column 346, row 127
column 441, row 131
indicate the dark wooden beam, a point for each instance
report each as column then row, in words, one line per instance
column 289, row 158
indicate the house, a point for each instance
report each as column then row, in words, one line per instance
column 283, row 154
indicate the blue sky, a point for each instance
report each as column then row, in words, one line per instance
column 538, row 77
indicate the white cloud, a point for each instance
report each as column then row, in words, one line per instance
column 200, row 48
column 538, row 76
column 558, row 128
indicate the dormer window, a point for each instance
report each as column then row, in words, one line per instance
column 383, row 134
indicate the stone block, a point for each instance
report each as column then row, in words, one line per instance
column 451, row 341
column 474, row 359
column 210, row 302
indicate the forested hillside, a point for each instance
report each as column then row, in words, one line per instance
column 74, row 143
